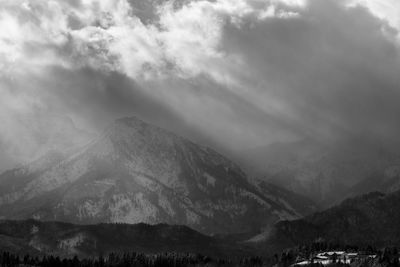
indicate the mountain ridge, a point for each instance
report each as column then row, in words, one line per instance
column 327, row 172
column 137, row 172
column 370, row 219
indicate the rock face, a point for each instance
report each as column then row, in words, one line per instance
column 136, row 172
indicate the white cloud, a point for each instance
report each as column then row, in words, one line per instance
column 387, row 10
column 111, row 38
column 219, row 64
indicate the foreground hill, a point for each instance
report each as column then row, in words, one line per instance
column 137, row 172
column 63, row 239
column 371, row 219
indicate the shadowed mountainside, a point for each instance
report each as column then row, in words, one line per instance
column 368, row 219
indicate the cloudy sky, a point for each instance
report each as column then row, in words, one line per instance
column 234, row 74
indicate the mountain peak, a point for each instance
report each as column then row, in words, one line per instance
column 137, row 172
column 132, row 121
column 134, row 126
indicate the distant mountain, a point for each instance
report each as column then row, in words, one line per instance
column 66, row 240
column 32, row 141
column 386, row 181
column 371, row 219
column 325, row 173
column 137, row 172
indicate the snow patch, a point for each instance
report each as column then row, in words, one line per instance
column 288, row 206
column 284, row 215
column 210, row 180
column 253, row 196
column 133, row 210
column 260, row 237
column 166, row 205
column 36, row 216
column 146, row 182
column 34, row 229
column 70, row 244
column 89, row 209
column 191, row 217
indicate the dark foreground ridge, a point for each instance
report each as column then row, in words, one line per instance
column 311, row 256
column 67, row 240
column 129, row 259
column 368, row 219
column 35, row 243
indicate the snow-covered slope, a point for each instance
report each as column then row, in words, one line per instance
column 136, row 172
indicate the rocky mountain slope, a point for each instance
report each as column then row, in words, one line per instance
column 370, row 219
column 136, row 172
column 66, row 240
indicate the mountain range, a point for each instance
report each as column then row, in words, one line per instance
column 368, row 220
column 135, row 172
column 140, row 187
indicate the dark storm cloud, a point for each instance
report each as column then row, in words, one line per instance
column 334, row 68
column 231, row 74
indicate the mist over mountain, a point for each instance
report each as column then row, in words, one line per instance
column 213, row 126
column 326, row 173
column 136, row 172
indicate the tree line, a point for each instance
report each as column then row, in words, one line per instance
column 8, row 259
column 386, row 257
